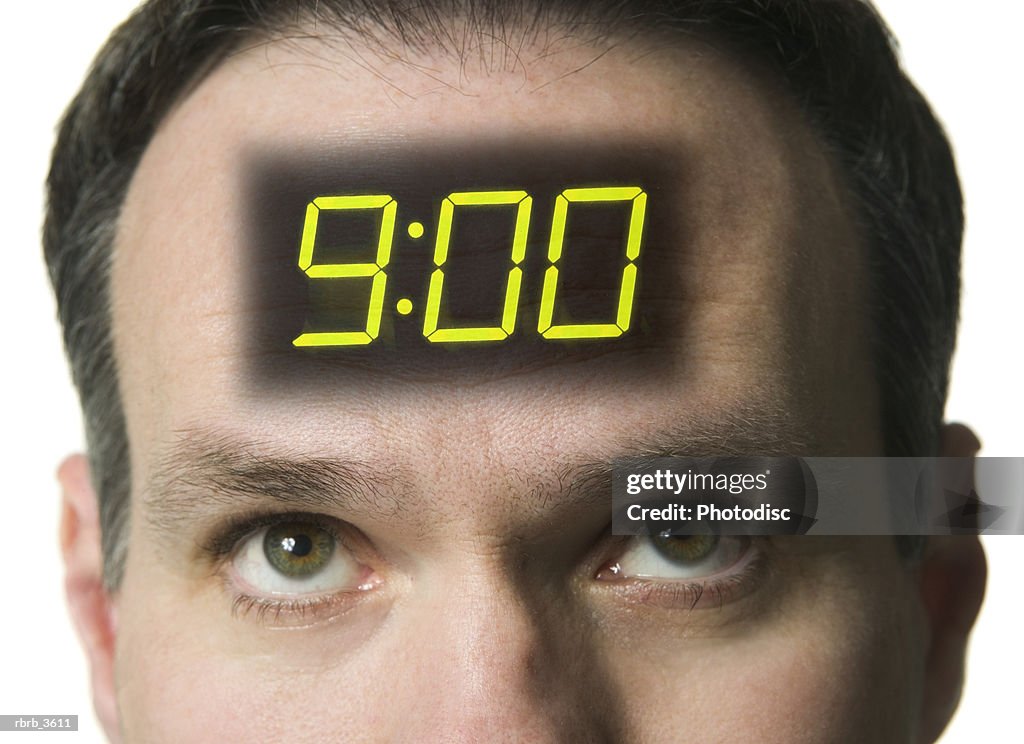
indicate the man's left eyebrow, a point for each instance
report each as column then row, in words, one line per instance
column 204, row 473
column 736, row 433
column 584, row 482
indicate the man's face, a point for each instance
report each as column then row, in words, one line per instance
column 467, row 587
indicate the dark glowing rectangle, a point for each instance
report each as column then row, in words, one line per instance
column 411, row 259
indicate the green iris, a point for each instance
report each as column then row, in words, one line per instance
column 685, row 548
column 298, row 549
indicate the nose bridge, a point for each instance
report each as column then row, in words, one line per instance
column 499, row 643
column 500, row 664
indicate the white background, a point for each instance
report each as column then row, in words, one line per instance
column 966, row 58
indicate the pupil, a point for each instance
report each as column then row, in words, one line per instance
column 298, row 545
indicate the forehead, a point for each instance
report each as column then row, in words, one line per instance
column 767, row 270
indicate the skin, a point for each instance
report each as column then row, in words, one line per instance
column 489, row 613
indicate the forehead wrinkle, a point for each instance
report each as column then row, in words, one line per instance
column 205, row 470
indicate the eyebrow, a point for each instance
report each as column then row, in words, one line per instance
column 205, row 472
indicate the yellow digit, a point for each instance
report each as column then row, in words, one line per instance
column 523, row 203
column 627, row 287
column 349, row 270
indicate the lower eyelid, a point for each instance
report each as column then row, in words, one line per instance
column 244, row 588
column 360, row 581
column 297, row 611
column 715, row 591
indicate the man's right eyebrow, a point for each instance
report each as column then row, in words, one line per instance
column 205, row 473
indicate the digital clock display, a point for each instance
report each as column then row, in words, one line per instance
column 420, row 258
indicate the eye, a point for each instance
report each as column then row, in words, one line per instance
column 677, row 558
column 297, row 558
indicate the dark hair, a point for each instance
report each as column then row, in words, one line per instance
column 836, row 57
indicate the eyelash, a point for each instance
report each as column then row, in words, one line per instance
column 225, row 539
column 732, row 584
column 269, row 611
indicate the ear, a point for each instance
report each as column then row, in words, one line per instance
column 952, row 582
column 91, row 606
